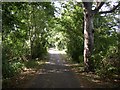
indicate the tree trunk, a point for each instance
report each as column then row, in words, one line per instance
column 88, row 40
column 89, row 30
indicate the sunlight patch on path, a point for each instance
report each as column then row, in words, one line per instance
column 55, row 57
column 50, row 63
column 55, row 51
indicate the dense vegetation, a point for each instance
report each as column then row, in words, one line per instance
column 24, row 34
column 105, row 57
column 29, row 29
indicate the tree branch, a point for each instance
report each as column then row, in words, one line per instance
column 88, row 5
column 110, row 11
column 100, row 4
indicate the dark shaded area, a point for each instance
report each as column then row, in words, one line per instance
column 55, row 74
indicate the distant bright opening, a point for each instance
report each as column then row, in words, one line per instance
column 55, row 51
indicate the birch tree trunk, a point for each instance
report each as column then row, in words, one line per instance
column 89, row 30
column 88, row 40
column 88, row 36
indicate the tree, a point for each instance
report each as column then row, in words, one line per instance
column 24, row 32
column 89, row 29
column 72, row 22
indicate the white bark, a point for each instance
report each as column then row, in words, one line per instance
column 88, row 39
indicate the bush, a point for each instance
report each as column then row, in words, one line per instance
column 10, row 69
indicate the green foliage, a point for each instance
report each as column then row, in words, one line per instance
column 11, row 68
column 29, row 29
column 24, row 33
column 106, row 50
column 31, row 64
column 105, row 57
column 72, row 21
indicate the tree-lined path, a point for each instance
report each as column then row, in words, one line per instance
column 89, row 33
column 55, row 74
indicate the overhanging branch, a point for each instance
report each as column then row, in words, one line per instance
column 110, row 11
column 88, row 5
column 98, row 7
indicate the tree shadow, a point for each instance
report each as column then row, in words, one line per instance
column 55, row 74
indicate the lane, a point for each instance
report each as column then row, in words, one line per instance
column 55, row 74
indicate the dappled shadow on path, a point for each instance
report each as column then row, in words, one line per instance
column 55, row 74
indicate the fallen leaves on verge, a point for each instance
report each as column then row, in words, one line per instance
column 26, row 74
